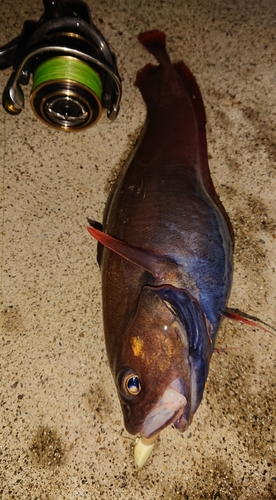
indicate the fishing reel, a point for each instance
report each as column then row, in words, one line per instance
column 74, row 71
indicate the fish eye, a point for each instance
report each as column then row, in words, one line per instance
column 130, row 384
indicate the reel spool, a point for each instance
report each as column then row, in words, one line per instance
column 74, row 71
column 66, row 93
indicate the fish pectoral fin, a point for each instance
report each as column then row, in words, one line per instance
column 246, row 319
column 146, row 259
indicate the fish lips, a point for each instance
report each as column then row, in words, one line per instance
column 170, row 409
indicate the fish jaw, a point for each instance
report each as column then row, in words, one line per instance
column 170, row 409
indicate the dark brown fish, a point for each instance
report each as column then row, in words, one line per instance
column 165, row 253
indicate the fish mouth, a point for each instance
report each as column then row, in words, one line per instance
column 169, row 410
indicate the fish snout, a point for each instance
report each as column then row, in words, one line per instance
column 170, row 409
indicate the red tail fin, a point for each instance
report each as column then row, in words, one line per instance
column 155, row 43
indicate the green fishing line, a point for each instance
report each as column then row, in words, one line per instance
column 67, row 68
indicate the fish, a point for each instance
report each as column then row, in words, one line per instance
column 165, row 251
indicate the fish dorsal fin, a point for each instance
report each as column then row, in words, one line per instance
column 146, row 259
column 193, row 90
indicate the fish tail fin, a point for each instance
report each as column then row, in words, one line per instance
column 155, row 42
column 149, row 78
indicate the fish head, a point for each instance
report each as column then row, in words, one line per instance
column 159, row 378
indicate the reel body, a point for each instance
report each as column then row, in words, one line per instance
column 74, row 71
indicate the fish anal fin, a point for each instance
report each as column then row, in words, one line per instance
column 146, row 259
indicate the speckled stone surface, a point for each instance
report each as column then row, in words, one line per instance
column 61, row 429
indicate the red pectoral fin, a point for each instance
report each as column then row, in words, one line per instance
column 144, row 258
column 247, row 320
